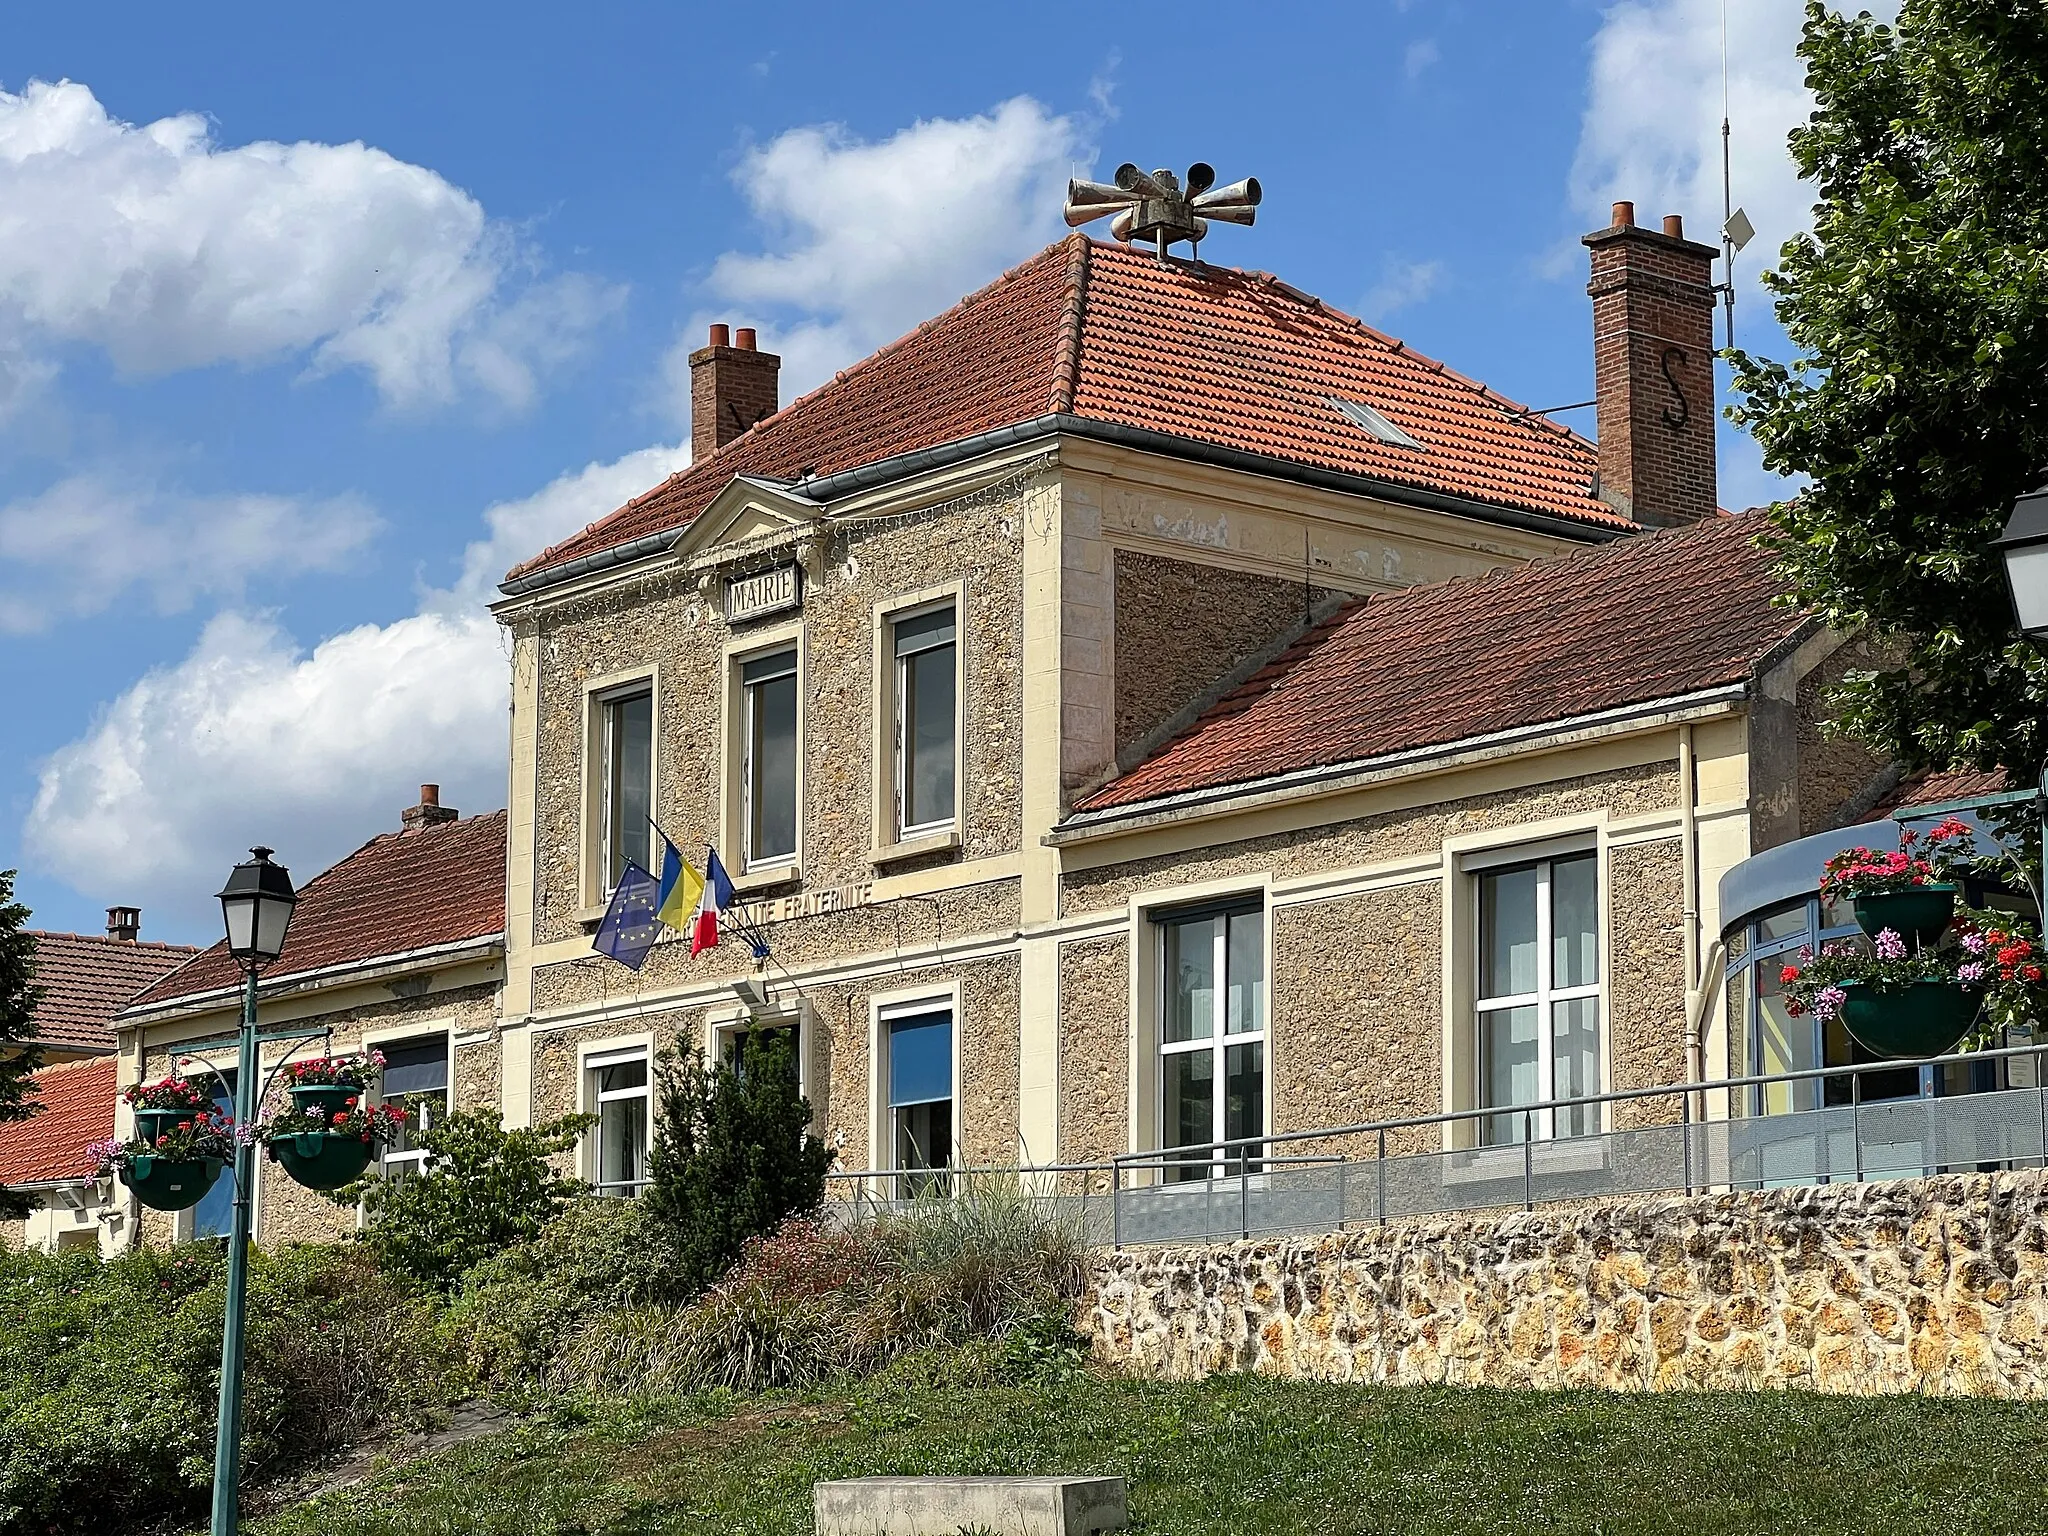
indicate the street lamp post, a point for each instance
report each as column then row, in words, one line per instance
column 2024, row 547
column 256, row 905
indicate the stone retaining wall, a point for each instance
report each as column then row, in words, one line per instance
column 1927, row 1285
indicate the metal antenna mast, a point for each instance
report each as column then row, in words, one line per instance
column 1736, row 229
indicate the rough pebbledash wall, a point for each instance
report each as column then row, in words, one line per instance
column 1928, row 1285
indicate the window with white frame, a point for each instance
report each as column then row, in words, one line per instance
column 626, row 781
column 919, row 1126
column 416, row 1080
column 787, row 1031
column 926, row 694
column 1212, row 1036
column 618, row 1093
column 768, row 768
column 1539, row 996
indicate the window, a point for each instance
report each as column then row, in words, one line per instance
column 925, row 691
column 618, row 1093
column 627, row 727
column 415, row 1079
column 769, row 770
column 788, row 1032
column 1539, row 996
column 1212, row 1036
column 214, row 1215
column 919, row 1121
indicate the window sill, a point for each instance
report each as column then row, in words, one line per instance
column 761, row 881
column 590, row 917
column 945, row 841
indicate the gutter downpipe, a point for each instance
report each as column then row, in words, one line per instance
column 1689, row 858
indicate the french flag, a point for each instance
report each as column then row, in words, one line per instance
column 718, row 895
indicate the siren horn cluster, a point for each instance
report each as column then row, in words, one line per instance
column 1155, row 206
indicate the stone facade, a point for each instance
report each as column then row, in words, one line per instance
column 1935, row 1285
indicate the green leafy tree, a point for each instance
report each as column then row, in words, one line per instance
column 484, row 1189
column 1919, row 408
column 733, row 1154
column 20, row 1051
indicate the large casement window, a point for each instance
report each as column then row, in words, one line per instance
column 1539, row 996
column 626, row 782
column 917, row 1045
column 617, row 1093
column 926, row 694
column 1212, row 1035
column 415, row 1079
column 768, row 770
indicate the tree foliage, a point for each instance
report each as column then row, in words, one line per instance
column 1919, row 409
column 20, row 1052
column 484, row 1188
column 733, row 1155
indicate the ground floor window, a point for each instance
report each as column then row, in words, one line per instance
column 214, row 1215
column 1212, row 1037
column 920, row 1125
column 416, row 1080
column 1539, row 996
column 618, row 1093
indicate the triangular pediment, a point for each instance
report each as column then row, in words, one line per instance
column 749, row 508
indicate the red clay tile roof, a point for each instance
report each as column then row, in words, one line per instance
column 77, row 1099
column 1943, row 787
column 1227, row 358
column 87, row 978
column 1645, row 618
column 398, row 892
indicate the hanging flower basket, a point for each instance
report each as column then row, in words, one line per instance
column 1921, row 912
column 325, row 1086
column 1926, row 1018
column 322, row 1159
column 171, row 1184
column 159, row 1106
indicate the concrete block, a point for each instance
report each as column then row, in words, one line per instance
column 947, row 1506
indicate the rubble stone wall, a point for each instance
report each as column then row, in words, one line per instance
column 1935, row 1285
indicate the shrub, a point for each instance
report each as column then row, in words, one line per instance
column 484, row 1189
column 108, row 1375
column 516, row 1308
column 733, row 1156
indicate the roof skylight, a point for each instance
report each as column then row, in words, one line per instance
column 1359, row 414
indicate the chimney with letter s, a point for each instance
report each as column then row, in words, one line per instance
column 430, row 812
column 733, row 384
column 1653, row 369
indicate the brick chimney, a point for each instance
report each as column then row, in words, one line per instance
column 124, row 924
column 1653, row 369
column 733, row 384
column 430, row 812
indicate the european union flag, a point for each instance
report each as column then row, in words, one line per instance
column 630, row 927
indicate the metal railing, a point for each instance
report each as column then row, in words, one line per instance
column 1490, row 1159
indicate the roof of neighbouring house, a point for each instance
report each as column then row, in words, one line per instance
column 87, row 978
column 1208, row 355
column 77, row 1099
column 1943, row 787
column 1642, row 619
column 404, row 891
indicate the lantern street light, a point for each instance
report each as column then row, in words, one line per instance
column 2024, row 547
column 256, row 905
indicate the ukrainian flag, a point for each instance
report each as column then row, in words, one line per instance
column 682, row 888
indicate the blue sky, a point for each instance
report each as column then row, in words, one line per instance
column 312, row 322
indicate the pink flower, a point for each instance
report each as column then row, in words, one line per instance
column 1889, row 945
column 1972, row 972
column 1973, row 941
column 1827, row 1003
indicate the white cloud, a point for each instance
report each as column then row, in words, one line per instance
column 1401, row 284
column 89, row 540
column 874, row 238
column 1421, row 53
column 170, row 251
column 1652, row 135
column 252, row 738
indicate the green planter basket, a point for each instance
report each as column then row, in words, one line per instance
column 327, row 1099
column 164, row 1185
column 152, row 1123
column 1926, row 1019
column 320, row 1161
column 1921, row 913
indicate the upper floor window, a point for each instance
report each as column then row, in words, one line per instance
column 1212, row 1035
column 769, row 769
column 415, row 1079
column 1539, row 996
column 627, row 779
column 926, row 694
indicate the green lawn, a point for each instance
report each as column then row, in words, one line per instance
column 1242, row 1457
